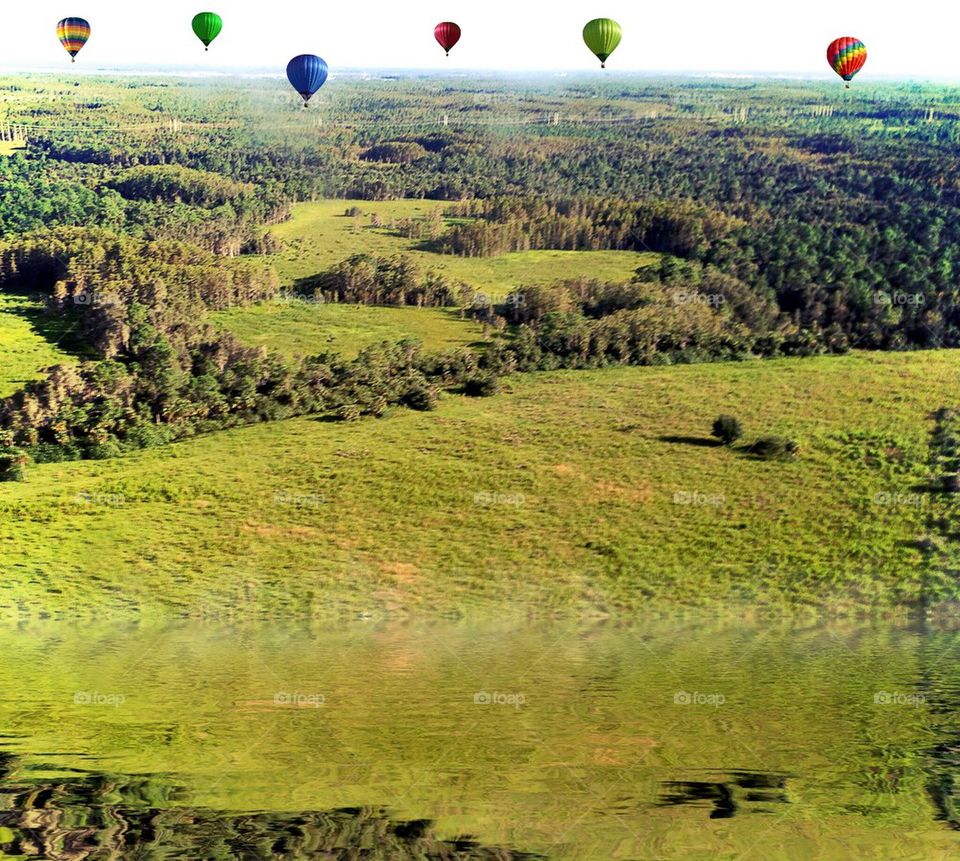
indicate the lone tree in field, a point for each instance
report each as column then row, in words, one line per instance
column 13, row 462
column 727, row 429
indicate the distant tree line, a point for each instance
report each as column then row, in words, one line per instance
column 165, row 202
column 366, row 279
column 505, row 225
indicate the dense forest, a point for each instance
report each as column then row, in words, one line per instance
column 793, row 219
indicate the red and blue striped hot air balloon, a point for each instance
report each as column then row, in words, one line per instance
column 846, row 57
column 73, row 34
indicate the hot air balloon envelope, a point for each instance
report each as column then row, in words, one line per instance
column 207, row 26
column 602, row 36
column 73, row 34
column 846, row 56
column 307, row 73
column 447, row 34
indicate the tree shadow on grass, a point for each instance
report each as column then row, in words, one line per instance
column 60, row 330
column 699, row 441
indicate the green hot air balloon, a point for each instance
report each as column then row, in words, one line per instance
column 207, row 26
column 602, row 36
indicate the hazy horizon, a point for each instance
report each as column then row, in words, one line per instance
column 493, row 74
column 753, row 38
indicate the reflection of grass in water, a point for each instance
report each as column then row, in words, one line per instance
column 299, row 328
column 319, row 235
column 561, row 493
column 600, row 733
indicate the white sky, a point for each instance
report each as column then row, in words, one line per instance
column 664, row 35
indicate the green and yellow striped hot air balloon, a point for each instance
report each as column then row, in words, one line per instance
column 602, row 36
column 207, row 26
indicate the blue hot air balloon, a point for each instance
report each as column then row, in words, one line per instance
column 307, row 73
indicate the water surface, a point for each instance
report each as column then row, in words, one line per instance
column 454, row 740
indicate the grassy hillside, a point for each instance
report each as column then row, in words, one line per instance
column 24, row 351
column 320, row 235
column 301, row 328
column 575, row 489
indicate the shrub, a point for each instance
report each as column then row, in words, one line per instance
column 774, row 448
column 13, row 462
column 481, row 386
column 727, row 429
column 349, row 412
column 103, row 450
column 421, row 396
column 379, row 406
column 48, row 452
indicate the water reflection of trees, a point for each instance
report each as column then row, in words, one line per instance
column 940, row 687
column 100, row 816
column 741, row 790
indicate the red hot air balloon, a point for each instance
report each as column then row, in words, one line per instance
column 447, row 34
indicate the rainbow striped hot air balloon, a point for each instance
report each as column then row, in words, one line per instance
column 73, row 34
column 846, row 57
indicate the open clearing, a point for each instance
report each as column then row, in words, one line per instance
column 304, row 328
column 572, row 490
column 320, row 234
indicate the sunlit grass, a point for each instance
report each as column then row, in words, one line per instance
column 8, row 148
column 574, row 490
column 303, row 329
column 24, row 352
column 320, row 235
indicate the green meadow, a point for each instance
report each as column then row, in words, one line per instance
column 320, row 235
column 592, row 491
column 305, row 328
column 27, row 343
